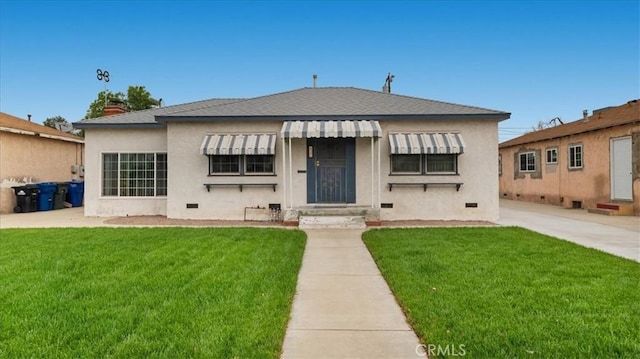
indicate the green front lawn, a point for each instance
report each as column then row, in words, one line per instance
column 511, row 293
column 146, row 292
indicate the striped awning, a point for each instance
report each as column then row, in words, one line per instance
column 239, row 144
column 336, row 129
column 426, row 143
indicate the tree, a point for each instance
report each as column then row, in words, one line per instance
column 61, row 124
column 137, row 98
column 52, row 121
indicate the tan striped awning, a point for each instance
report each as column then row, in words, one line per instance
column 335, row 129
column 239, row 144
column 426, row 143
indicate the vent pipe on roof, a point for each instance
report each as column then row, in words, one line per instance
column 585, row 115
column 29, row 117
column 159, row 102
column 315, row 80
column 387, row 83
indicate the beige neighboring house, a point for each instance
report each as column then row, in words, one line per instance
column 31, row 153
column 590, row 163
column 308, row 152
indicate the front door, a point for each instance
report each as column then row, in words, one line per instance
column 330, row 170
column 621, row 177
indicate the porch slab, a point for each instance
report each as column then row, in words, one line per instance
column 345, row 222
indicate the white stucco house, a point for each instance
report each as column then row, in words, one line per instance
column 381, row 155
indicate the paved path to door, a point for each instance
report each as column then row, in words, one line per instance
column 343, row 307
column 618, row 235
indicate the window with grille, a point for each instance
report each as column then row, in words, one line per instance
column 241, row 165
column 527, row 162
column 424, row 164
column 134, row 174
column 575, row 156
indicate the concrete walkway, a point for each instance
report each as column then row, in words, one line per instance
column 343, row 308
column 618, row 235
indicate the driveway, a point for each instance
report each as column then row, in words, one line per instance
column 618, row 235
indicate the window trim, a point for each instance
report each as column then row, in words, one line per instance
column 242, row 167
column 423, row 165
column 119, row 178
column 573, row 159
column 551, row 150
column 526, row 170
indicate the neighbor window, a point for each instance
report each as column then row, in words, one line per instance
column 241, row 165
column 424, row 164
column 500, row 164
column 575, row 156
column 552, row 156
column 134, row 174
column 527, row 162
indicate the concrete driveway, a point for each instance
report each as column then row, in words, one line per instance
column 618, row 235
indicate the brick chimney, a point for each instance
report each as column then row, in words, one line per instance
column 110, row 110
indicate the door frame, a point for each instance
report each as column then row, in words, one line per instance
column 350, row 169
column 612, row 142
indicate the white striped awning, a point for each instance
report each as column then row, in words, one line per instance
column 335, row 129
column 426, row 143
column 239, row 144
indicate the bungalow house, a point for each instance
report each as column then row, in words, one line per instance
column 590, row 163
column 30, row 152
column 332, row 150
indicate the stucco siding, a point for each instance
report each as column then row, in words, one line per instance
column 99, row 141
column 560, row 185
column 477, row 170
column 32, row 159
column 189, row 171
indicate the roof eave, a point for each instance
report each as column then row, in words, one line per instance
column 82, row 126
column 500, row 116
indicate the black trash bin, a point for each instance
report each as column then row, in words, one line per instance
column 26, row 198
column 60, row 195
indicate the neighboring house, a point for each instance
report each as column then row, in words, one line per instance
column 583, row 164
column 30, row 153
column 390, row 157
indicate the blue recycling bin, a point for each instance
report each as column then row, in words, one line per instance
column 75, row 193
column 45, row 196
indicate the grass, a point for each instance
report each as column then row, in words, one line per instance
column 511, row 293
column 146, row 292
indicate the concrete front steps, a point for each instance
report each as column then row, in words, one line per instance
column 613, row 209
column 332, row 217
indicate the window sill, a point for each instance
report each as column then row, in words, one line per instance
column 240, row 175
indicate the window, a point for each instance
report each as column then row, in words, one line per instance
column 500, row 165
column 552, row 156
column 424, row 164
column 241, row 165
column 527, row 162
column 405, row 164
column 575, row 156
column 258, row 164
column 224, row 164
column 134, row 174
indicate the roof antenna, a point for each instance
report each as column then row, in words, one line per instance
column 315, row 80
column 387, row 83
column 104, row 76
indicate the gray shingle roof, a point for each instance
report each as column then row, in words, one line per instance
column 147, row 117
column 305, row 103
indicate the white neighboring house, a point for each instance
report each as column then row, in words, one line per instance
column 389, row 156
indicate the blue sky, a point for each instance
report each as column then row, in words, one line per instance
column 535, row 59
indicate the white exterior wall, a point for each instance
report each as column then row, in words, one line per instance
column 477, row 168
column 188, row 171
column 98, row 141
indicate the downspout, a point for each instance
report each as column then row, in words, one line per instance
column 290, row 176
column 373, row 193
column 379, row 175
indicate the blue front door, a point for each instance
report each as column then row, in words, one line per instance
column 331, row 170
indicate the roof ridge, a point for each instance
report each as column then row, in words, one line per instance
column 166, row 107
